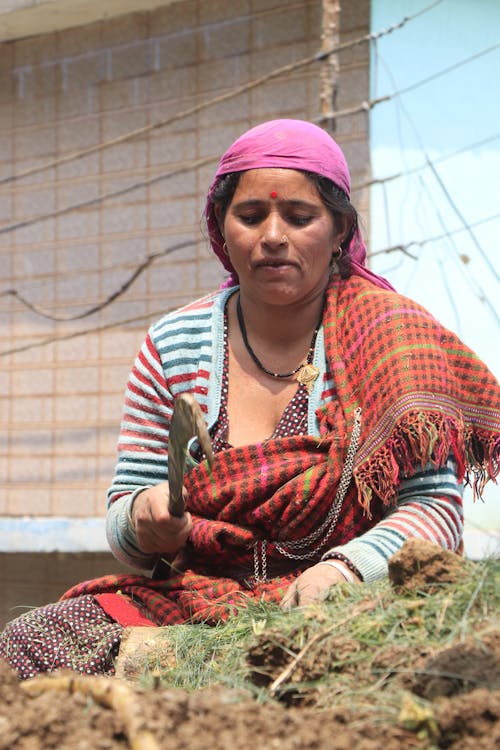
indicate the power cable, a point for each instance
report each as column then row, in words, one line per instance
column 444, row 279
column 150, row 259
column 236, row 91
column 446, row 192
column 449, row 69
column 111, row 298
column 462, row 218
column 420, row 167
column 186, row 167
column 77, row 334
column 404, row 247
column 366, row 106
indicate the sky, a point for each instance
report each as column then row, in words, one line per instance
column 443, row 137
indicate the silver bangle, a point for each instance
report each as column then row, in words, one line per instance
column 130, row 504
column 128, row 510
column 130, row 522
column 343, row 569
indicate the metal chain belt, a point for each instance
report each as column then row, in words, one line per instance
column 293, row 548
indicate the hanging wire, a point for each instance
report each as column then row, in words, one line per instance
column 365, row 106
column 466, row 226
column 404, row 249
column 438, row 160
column 236, row 91
column 151, row 258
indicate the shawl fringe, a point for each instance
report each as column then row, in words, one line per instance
column 423, row 438
column 483, row 462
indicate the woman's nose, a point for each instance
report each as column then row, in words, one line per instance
column 274, row 232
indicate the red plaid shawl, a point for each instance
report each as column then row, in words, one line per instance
column 422, row 395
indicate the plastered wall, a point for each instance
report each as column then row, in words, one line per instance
column 202, row 67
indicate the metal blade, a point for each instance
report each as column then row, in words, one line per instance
column 187, row 422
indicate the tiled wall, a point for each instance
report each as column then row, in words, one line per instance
column 61, row 385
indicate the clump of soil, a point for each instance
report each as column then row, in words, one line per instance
column 271, row 656
column 469, row 722
column 459, row 669
column 422, row 565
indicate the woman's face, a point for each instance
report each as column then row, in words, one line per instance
column 280, row 236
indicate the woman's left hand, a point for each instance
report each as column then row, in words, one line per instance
column 313, row 585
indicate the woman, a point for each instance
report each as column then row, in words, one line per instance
column 343, row 418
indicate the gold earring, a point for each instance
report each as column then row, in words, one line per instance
column 224, row 249
column 338, row 254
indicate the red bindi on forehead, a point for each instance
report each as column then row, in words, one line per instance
column 273, row 194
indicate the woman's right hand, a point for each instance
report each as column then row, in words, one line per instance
column 156, row 530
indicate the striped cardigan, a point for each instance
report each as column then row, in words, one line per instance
column 184, row 351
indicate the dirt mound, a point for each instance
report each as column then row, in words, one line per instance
column 69, row 717
column 470, row 722
column 414, row 664
column 458, row 669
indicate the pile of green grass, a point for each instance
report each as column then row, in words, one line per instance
column 360, row 648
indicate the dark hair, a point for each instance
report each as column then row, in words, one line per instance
column 223, row 193
column 333, row 197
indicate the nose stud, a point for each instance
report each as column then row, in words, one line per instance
column 284, row 240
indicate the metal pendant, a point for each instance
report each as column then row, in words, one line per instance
column 307, row 375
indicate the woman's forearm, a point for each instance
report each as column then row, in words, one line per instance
column 121, row 536
column 429, row 507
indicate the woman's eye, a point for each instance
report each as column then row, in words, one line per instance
column 249, row 219
column 299, row 221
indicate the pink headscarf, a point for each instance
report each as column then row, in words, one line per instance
column 287, row 144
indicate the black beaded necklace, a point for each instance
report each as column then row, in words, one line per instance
column 306, row 372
